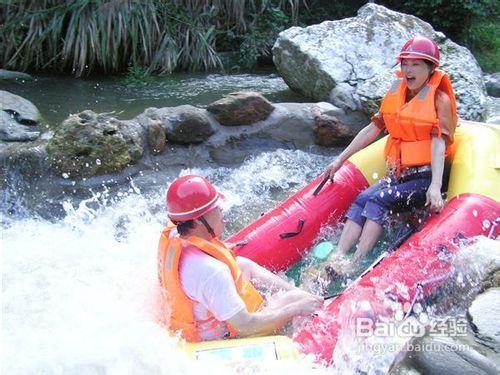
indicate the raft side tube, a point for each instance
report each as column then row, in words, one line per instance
column 280, row 238
column 424, row 261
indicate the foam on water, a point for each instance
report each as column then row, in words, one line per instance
column 79, row 293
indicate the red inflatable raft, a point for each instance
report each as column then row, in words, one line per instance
column 281, row 237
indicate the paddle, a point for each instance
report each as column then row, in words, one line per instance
column 320, row 186
column 331, row 296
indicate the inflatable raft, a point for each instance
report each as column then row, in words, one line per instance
column 281, row 237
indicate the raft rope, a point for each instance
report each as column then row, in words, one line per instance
column 420, row 290
column 493, row 226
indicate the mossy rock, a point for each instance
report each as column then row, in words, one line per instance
column 89, row 144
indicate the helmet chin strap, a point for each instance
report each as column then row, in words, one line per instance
column 207, row 226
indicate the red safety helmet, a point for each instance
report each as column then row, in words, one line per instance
column 420, row 48
column 190, row 197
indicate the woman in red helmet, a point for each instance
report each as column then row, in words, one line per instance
column 419, row 113
column 210, row 291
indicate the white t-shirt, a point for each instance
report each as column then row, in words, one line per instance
column 210, row 283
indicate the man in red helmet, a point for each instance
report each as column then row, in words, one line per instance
column 211, row 292
column 420, row 114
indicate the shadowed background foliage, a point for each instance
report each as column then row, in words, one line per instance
column 81, row 37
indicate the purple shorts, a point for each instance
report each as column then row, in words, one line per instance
column 389, row 196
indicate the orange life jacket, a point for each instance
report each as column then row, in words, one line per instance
column 182, row 317
column 410, row 123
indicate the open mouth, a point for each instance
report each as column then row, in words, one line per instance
column 410, row 80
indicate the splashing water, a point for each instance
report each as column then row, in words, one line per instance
column 79, row 292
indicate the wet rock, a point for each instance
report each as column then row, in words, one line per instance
column 491, row 278
column 329, row 131
column 22, row 110
column 241, row 108
column 493, row 113
column 157, row 137
column 12, row 131
column 483, row 314
column 236, row 151
column 290, row 125
column 492, row 83
column 28, row 158
column 187, row 124
column 351, row 62
column 12, row 75
column 89, row 144
column 446, row 355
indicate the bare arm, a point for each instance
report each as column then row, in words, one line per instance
column 271, row 319
column 438, row 149
column 366, row 136
column 433, row 195
column 262, row 277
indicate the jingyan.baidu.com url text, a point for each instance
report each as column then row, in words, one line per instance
column 384, row 348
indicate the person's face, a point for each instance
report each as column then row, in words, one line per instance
column 416, row 72
column 215, row 218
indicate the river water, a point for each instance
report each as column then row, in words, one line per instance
column 79, row 289
column 57, row 96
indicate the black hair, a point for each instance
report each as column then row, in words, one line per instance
column 430, row 64
column 183, row 227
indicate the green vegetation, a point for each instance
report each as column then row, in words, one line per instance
column 85, row 36
column 159, row 36
column 484, row 41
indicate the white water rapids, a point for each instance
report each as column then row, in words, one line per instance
column 78, row 293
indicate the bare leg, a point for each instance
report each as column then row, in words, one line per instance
column 369, row 237
column 349, row 237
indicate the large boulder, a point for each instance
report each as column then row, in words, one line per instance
column 492, row 82
column 493, row 113
column 437, row 355
column 329, row 131
column 351, row 62
column 21, row 109
column 19, row 118
column 89, row 144
column 12, row 131
column 13, row 75
column 483, row 314
column 186, row 124
column 241, row 108
column 157, row 137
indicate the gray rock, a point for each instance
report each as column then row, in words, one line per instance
column 493, row 113
column 12, row 131
column 89, row 144
column 23, row 110
column 351, row 62
column 12, row 75
column 187, row 124
column 483, row 314
column 492, row 83
column 445, row 355
column 491, row 278
column 157, row 137
column 290, row 125
column 26, row 158
column 241, row 108
column 329, row 131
